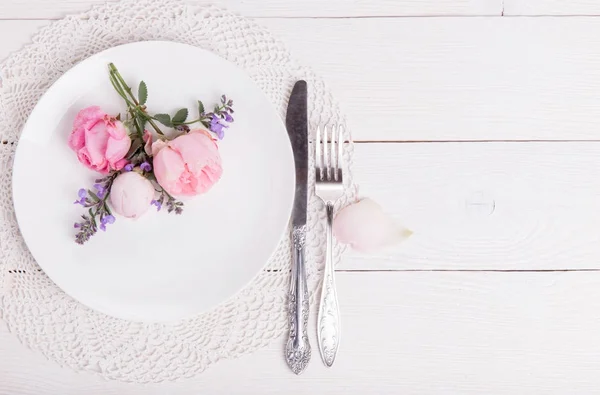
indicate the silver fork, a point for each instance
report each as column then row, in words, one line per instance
column 329, row 187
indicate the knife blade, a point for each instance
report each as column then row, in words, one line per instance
column 297, row 350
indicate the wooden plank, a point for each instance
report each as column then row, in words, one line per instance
column 446, row 78
column 458, row 78
column 42, row 9
column 551, row 7
column 493, row 206
column 403, row 333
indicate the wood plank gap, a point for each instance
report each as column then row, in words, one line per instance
column 467, row 270
column 308, row 17
column 470, row 141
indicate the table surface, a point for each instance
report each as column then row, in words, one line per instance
column 477, row 125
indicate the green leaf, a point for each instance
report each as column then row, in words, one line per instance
column 200, row 107
column 94, row 196
column 165, row 119
column 180, row 116
column 142, row 93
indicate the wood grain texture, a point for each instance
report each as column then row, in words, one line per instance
column 43, row 9
column 493, row 206
column 447, row 78
column 458, row 78
column 404, row 333
column 551, row 7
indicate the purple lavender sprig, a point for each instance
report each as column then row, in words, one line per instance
column 173, row 205
column 220, row 118
column 165, row 199
column 216, row 121
column 99, row 214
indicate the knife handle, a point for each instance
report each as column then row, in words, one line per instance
column 297, row 350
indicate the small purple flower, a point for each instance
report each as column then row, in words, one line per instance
column 230, row 103
column 82, row 193
column 217, row 126
column 77, row 225
column 157, row 204
column 228, row 117
column 223, row 99
column 106, row 220
column 146, row 167
column 101, row 190
column 128, row 167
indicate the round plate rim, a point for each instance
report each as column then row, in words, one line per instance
column 24, row 133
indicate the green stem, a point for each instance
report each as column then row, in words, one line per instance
column 114, row 72
column 137, row 125
column 205, row 118
column 120, row 91
column 194, row 121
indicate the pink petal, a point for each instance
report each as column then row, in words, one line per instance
column 116, row 130
column 147, row 136
column 77, row 139
column 88, row 117
column 117, row 149
column 85, row 120
column 120, row 164
column 365, row 227
column 196, row 150
column 96, row 140
column 157, row 146
column 201, row 156
column 168, row 167
column 84, row 157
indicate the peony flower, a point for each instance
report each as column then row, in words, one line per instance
column 100, row 141
column 131, row 194
column 365, row 227
column 188, row 165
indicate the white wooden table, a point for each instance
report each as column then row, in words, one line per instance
column 478, row 127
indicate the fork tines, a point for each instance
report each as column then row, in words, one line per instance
column 329, row 153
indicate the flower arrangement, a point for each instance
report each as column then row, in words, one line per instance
column 141, row 169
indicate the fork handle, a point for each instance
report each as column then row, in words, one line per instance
column 328, row 319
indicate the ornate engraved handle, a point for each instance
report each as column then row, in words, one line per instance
column 297, row 349
column 328, row 320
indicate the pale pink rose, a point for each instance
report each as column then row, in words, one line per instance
column 100, row 141
column 158, row 145
column 366, row 228
column 131, row 194
column 188, row 165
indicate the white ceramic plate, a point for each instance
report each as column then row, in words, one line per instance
column 160, row 267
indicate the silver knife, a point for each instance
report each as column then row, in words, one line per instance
column 297, row 349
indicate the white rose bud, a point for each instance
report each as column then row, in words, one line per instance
column 131, row 194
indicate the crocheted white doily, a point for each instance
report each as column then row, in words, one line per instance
column 44, row 317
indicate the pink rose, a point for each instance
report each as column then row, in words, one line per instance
column 188, row 165
column 100, row 141
column 131, row 194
